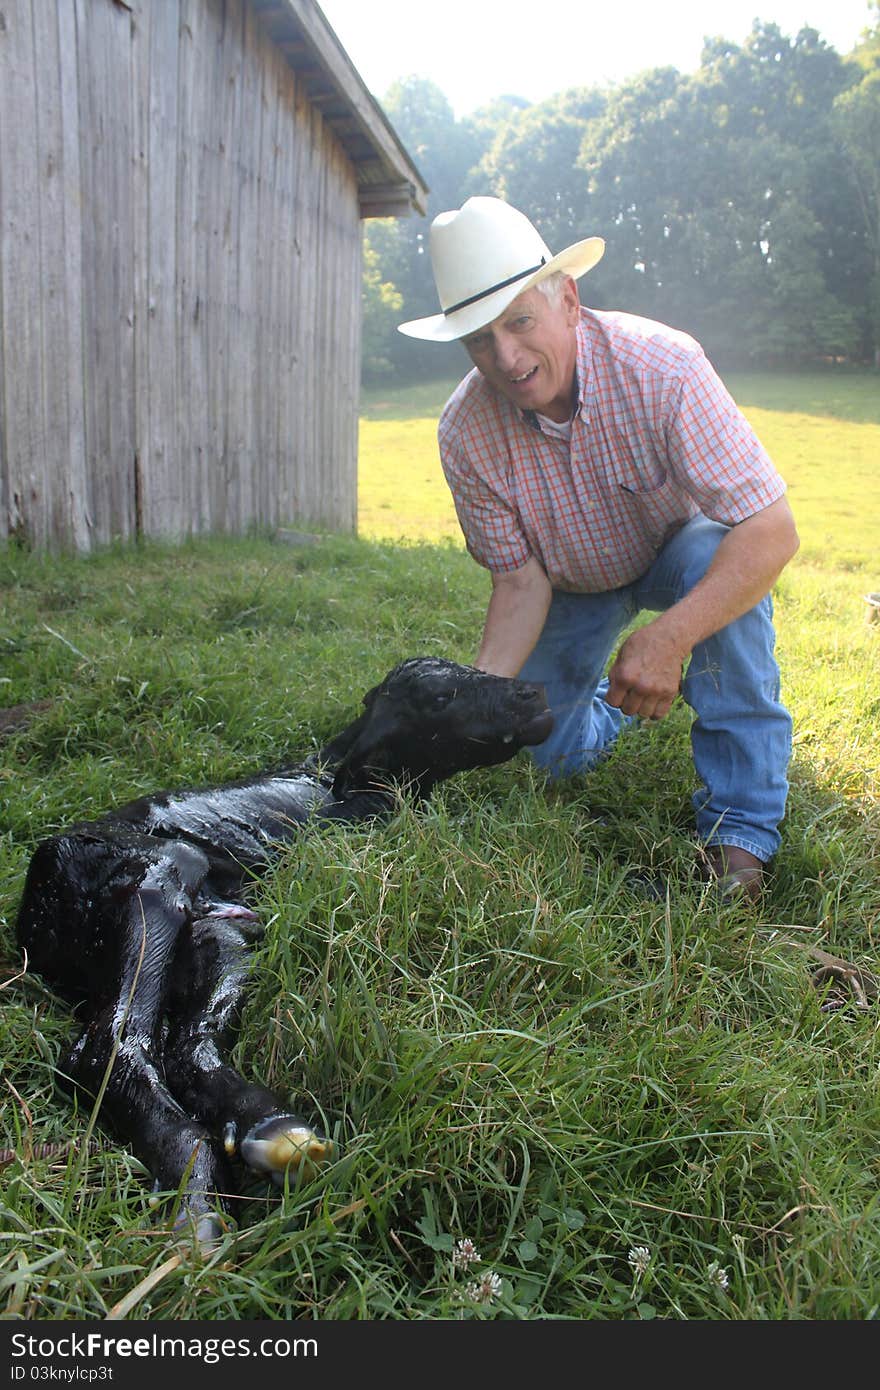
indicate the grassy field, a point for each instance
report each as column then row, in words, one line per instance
column 632, row 1108
column 816, row 427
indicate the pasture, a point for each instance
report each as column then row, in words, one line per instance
column 554, row 1096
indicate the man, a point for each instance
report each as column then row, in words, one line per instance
column 600, row 468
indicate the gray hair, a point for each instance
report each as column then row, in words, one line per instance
column 551, row 287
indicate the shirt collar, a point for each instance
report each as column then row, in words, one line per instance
column 586, row 380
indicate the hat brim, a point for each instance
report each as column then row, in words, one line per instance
column 575, row 261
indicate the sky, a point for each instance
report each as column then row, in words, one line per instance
column 475, row 50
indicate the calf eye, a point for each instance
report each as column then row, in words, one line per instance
column 440, row 699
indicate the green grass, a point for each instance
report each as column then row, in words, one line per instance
column 508, row 1042
column 817, row 428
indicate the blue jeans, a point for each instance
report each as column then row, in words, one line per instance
column 741, row 736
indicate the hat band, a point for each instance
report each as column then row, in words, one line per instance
column 502, row 285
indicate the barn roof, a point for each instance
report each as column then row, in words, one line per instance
column 389, row 183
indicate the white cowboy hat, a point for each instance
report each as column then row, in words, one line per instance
column 484, row 255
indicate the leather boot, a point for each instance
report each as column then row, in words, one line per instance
column 737, row 872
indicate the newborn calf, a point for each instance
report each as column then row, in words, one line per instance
column 139, row 918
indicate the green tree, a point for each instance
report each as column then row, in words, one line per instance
column 532, row 162
column 857, row 127
column 381, row 306
column 866, row 53
column 724, row 201
column 634, row 156
column 741, row 203
column 443, row 149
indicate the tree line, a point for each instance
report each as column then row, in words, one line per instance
column 740, row 202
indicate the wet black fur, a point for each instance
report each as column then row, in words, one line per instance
column 139, row 916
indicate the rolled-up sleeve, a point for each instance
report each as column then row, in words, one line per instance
column 713, row 452
column 488, row 519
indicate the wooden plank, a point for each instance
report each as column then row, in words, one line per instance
column 383, row 200
column 104, row 49
column 24, row 443
column 80, row 516
column 308, row 324
column 88, row 194
column 323, row 463
column 214, row 136
column 195, row 313
column 231, row 127
column 140, row 244
column 249, row 341
column 49, row 215
column 177, row 520
column 332, row 494
column 117, row 330
column 263, row 379
column 285, row 256
column 163, row 490
column 234, row 392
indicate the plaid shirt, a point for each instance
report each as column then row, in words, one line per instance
column 656, row 438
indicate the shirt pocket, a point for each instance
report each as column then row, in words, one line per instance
column 655, row 504
column 640, row 474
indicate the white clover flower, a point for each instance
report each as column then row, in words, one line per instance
column 639, row 1259
column 486, row 1289
column 465, row 1254
column 717, row 1276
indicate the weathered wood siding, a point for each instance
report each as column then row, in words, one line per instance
column 180, row 251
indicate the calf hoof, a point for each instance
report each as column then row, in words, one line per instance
column 283, row 1144
column 202, row 1229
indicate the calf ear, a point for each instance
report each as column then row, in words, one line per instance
column 340, row 747
column 366, row 754
column 334, row 752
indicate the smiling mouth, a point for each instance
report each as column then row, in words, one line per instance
column 521, row 380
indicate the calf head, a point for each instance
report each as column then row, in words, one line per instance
column 430, row 719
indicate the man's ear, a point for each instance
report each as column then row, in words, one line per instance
column 572, row 301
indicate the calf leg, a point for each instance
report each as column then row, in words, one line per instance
column 103, row 918
column 207, row 992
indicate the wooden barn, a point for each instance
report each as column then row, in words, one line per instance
column 182, row 184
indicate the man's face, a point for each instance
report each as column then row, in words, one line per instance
column 529, row 352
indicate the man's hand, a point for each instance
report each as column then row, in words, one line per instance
column 646, row 675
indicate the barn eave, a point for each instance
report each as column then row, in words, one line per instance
column 389, row 184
